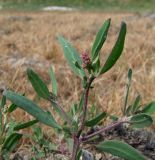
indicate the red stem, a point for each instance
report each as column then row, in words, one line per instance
column 77, row 135
column 75, row 148
column 85, row 105
column 113, row 125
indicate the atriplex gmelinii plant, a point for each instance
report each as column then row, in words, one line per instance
column 76, row 123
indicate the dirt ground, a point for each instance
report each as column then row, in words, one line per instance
column 29, row 40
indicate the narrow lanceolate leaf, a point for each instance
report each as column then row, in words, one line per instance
column 11, row 142
column 150, row 108
column 3, row 102
column 71, row 56
column 128, row 110
column 38, row 84
column 79, row 155
column 127, row 92
column 116, row 51
column 130, row 75
column 2, row 105
column 81, row 103
column 120, row 149
column 60, row 111
column 96, row 65
column 53, row 80
column 100, row 39
column 12, row 108
column 95, row 120
column 141, row 120
column 25, row 125
column 31, row 108
column 136, row 104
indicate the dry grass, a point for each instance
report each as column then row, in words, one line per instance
column 29, row 40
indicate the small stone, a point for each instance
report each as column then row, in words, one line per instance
column 86, row 155
column 98, row 156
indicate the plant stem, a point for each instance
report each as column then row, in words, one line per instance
column 113, row 125
column 86, row 93
column 75, row 147
column 77, row 135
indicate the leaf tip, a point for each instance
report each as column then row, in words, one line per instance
column 123, row 25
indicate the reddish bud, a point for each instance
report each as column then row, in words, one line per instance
column 85, row 59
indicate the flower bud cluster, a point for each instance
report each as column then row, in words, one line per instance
column 85, row 59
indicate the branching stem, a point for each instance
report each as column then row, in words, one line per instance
column 109, row 127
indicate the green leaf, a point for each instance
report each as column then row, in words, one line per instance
column 74, row 109
column 58, row 109
column 130, row 75
column 128, row 110
column 38, row 84
column 53, row 80
column 3, row 102
column 127, row 91
column 75, row 125
column 100, row 39
column 96, row 65
column 116, row 51
column 150, row 108
column 136, row 104
column 12, row 108
column 71, row 56
column 113, row 117
column 95, row 120
column 25, row 125
column 84, row 82
column 70, row 144
column 79, row 155
column 31, row 108
column 11, row 142
column 81, row 103
column 120, row 149
column 141, row 120
column 67, row 130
